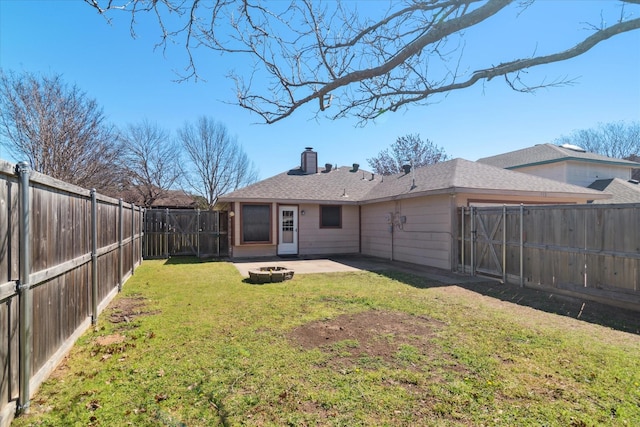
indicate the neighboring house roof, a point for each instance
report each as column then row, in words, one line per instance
column 345, row 186
column 549, row 153
column 174, row 199
column 622, row 191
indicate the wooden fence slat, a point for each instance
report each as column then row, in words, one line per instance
column 589, row 249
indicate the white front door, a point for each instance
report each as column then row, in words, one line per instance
column 288, row 230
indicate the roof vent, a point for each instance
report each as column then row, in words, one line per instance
column 634, row 181
column 355, row 167
column 327, row 167
column 406, row 168
column 574, row 148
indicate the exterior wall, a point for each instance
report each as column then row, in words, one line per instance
column 583, row 174
column 410, row 230
column 577, row 173
column 376, row 225
column 313, row 240
column 555, row 171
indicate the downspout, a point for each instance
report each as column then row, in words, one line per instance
column 360, row 229
column 26, row 302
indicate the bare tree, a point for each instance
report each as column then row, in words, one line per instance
column 217, row 163
column 60, row 130
column 409, row 149
column 617, row 139
column 347, row 62
column 152, row 159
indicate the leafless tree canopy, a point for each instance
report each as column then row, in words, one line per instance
column 216, row 162
column 409, row 149
column 59, row 130
column 340, row 60
column 152, row 158
column 618, row 139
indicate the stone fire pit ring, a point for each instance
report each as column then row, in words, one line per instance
column 270, row 274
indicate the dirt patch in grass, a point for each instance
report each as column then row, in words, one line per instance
column 389, row 337
column 124, row 310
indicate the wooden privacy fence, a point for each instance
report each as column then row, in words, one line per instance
column 591, row 251
column 64, row 254
column 175, row 232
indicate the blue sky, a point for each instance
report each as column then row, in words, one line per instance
column 132, row 81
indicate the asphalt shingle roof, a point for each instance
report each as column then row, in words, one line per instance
column 346, row 186
column 622, row 191
column 548, row 153
column 340, row 185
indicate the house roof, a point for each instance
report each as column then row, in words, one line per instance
column 341, row 185
column 549, row 153
column 345, row 186
column 622, row 191
column 464, row 176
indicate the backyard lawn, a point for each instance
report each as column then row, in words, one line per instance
column 191, row 343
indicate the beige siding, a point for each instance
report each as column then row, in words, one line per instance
column 578, row 173
column 251, row 251
column 583, row 174
column 313, row 240
column 421, row 231
column 376, row 235
column 555, row 171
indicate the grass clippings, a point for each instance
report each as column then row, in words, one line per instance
column 193, row 344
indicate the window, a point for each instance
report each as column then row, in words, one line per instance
column 330, row 216
column 256, row 223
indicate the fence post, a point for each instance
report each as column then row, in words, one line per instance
column 504, row 243
column 120, row 249
column 198, row 233
column 464, row 268
column 521, row 245
column 94, row 257
column 26, row 303
column 472, row 239
column 133, row 238
column 166, row 233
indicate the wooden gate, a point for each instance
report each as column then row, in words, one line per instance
column 185, row 232
column 489, row 240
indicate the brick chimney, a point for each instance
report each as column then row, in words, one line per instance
column 309, row 161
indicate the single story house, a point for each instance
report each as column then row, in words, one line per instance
column 411, row 216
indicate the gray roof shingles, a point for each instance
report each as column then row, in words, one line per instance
column 346, row 186
column 548, row 153
column 621, row 191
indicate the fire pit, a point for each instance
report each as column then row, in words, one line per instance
column 270, row 274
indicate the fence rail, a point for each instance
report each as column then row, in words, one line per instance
column 592, row 251
column 64, row 254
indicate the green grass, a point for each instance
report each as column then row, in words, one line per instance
column 215, row 350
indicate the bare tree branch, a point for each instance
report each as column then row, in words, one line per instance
column 216, row 163
column 347, row 62
column 62, row 132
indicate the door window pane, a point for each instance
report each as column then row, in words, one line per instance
column 287, row 226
